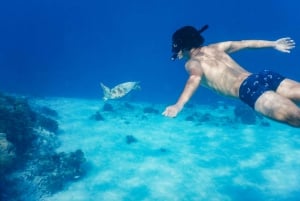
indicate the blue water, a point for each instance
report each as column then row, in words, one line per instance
column 65, row 48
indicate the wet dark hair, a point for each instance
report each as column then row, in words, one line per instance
column 187, row 38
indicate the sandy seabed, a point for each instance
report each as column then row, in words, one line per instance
column 205, row 153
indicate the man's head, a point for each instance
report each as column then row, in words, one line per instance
column 186, row 38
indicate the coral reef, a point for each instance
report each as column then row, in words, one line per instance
column 17, row 121
column 29, row 164
column 7, row 153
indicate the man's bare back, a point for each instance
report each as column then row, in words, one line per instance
column 267, row 92
column 220, row 72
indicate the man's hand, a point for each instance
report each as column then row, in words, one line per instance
column 171, row 111
column 284, row 44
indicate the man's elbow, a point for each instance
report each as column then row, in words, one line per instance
column 195, row 80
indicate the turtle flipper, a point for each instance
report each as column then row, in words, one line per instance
column 106, row 92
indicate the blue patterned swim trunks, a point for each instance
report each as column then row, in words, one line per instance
column 257, row 84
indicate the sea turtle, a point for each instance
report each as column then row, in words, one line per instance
column 119, row 91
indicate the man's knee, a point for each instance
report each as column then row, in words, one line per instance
column 293, row 118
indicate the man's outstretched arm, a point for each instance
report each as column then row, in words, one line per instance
column 189, row 89
column 191, row 85
column 282, row 44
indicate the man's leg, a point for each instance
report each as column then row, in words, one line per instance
column 279, row 108
column 289, row 89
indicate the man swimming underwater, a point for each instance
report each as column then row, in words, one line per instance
column 267, row 92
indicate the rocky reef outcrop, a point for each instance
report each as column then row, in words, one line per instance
column 30, row 167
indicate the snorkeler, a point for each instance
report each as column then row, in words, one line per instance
column 267, row 92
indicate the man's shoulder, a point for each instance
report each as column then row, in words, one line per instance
column 215, row 45
column 193, row 66
column 219, row 47
column 193, row 63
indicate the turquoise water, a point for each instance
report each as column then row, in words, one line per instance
column 215, row 158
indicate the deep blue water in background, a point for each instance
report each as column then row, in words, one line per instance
column 66, row 48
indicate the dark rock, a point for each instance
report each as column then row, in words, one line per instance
column 130, row 139
column 97, row 117
column 205, row 117
column 127, row 122
column 107, row 107
column 150, row 110
column 163, row 150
